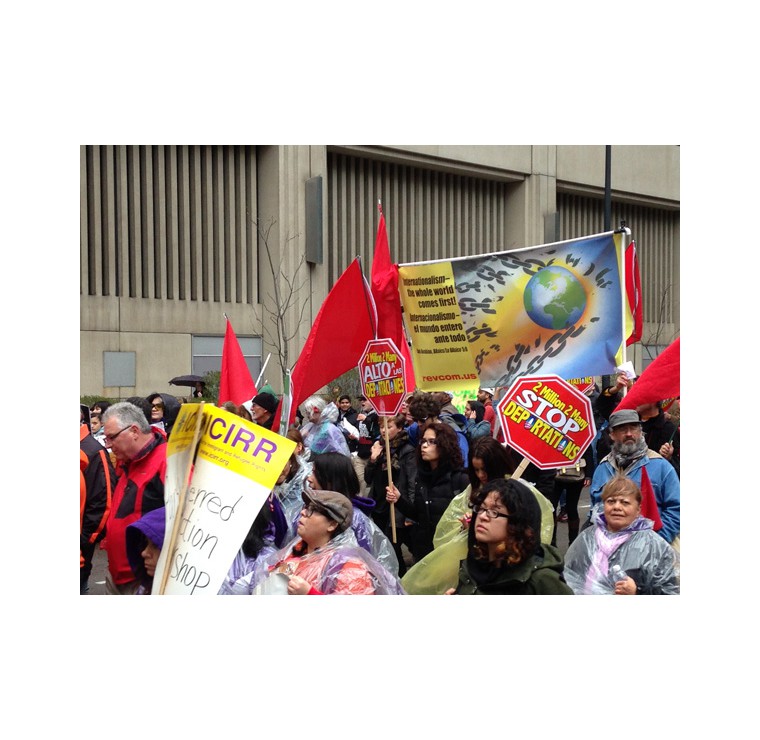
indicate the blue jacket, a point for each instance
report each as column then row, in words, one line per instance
column 665, row 482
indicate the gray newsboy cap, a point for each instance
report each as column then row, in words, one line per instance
column 626, row 416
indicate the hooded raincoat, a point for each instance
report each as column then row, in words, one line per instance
column 325, row 435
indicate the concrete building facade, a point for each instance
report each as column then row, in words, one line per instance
column 175, row 237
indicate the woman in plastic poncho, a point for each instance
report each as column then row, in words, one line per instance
column 332, row 471
column 325, row 558
column 320, row 430
column 289, row 487
column 505, row 555
column 621, row 553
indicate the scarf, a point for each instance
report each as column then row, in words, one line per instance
column 606, row 543
column 623, row 460
column 396, row 444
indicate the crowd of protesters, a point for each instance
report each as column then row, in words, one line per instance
column 423, row 502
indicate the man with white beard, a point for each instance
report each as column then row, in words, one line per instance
column 630, row 456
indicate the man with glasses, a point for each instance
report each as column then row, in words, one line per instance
column 141, row 454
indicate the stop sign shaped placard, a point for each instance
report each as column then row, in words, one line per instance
column 547, row 420
column 382, row 373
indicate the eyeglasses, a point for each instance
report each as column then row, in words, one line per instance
column 157, row 406
column 110, row 439
column 424, row 442
column 310, row 509
column 489, row 513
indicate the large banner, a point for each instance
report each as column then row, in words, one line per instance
column 490, row 319
column 220, row 468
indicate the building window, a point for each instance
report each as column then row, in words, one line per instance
column 207, row 354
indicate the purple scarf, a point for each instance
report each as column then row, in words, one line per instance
column 606, row 543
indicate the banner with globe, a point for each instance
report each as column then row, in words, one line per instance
column 487, row 320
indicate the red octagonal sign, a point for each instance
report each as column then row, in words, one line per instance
column 382, row 372
column 547, row 420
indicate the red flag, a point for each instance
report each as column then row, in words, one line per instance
column 236, row 383
column 339, row 335
column 635, row 307
column 660, row 380
column 649, row 507
column 384, row 280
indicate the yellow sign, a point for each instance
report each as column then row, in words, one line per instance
column 440, row 350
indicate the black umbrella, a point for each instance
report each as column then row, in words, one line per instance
column 189, row 380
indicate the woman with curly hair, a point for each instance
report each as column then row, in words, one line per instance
column 440, row 477
column 505, row 554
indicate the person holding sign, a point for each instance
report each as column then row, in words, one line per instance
column 403, row 472
column 621, row 554
column 325, row 558
column 440, row 477
column 505, row 555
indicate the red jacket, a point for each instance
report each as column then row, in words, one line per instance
column 140, row 489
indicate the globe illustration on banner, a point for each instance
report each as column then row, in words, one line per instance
column 554, row 298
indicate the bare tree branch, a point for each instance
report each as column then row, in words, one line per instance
column 284, row 296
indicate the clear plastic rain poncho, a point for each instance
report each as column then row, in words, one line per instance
column 340, row 567
column 368, row 536
column 439, row 569
column 289, row 494
column 242, row 573
column 324, row 435
column 598, row 558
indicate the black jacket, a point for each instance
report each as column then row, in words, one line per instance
column 371, row 425
column 433, row 491
column 403, row 472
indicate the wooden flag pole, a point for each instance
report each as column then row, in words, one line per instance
column 390, row 478
column 520, row 469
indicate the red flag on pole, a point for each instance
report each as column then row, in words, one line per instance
column 635, row 318
column 384, row 280
column 339, row 335
column 649, row 507
column 660, row 380
column 236, row 383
